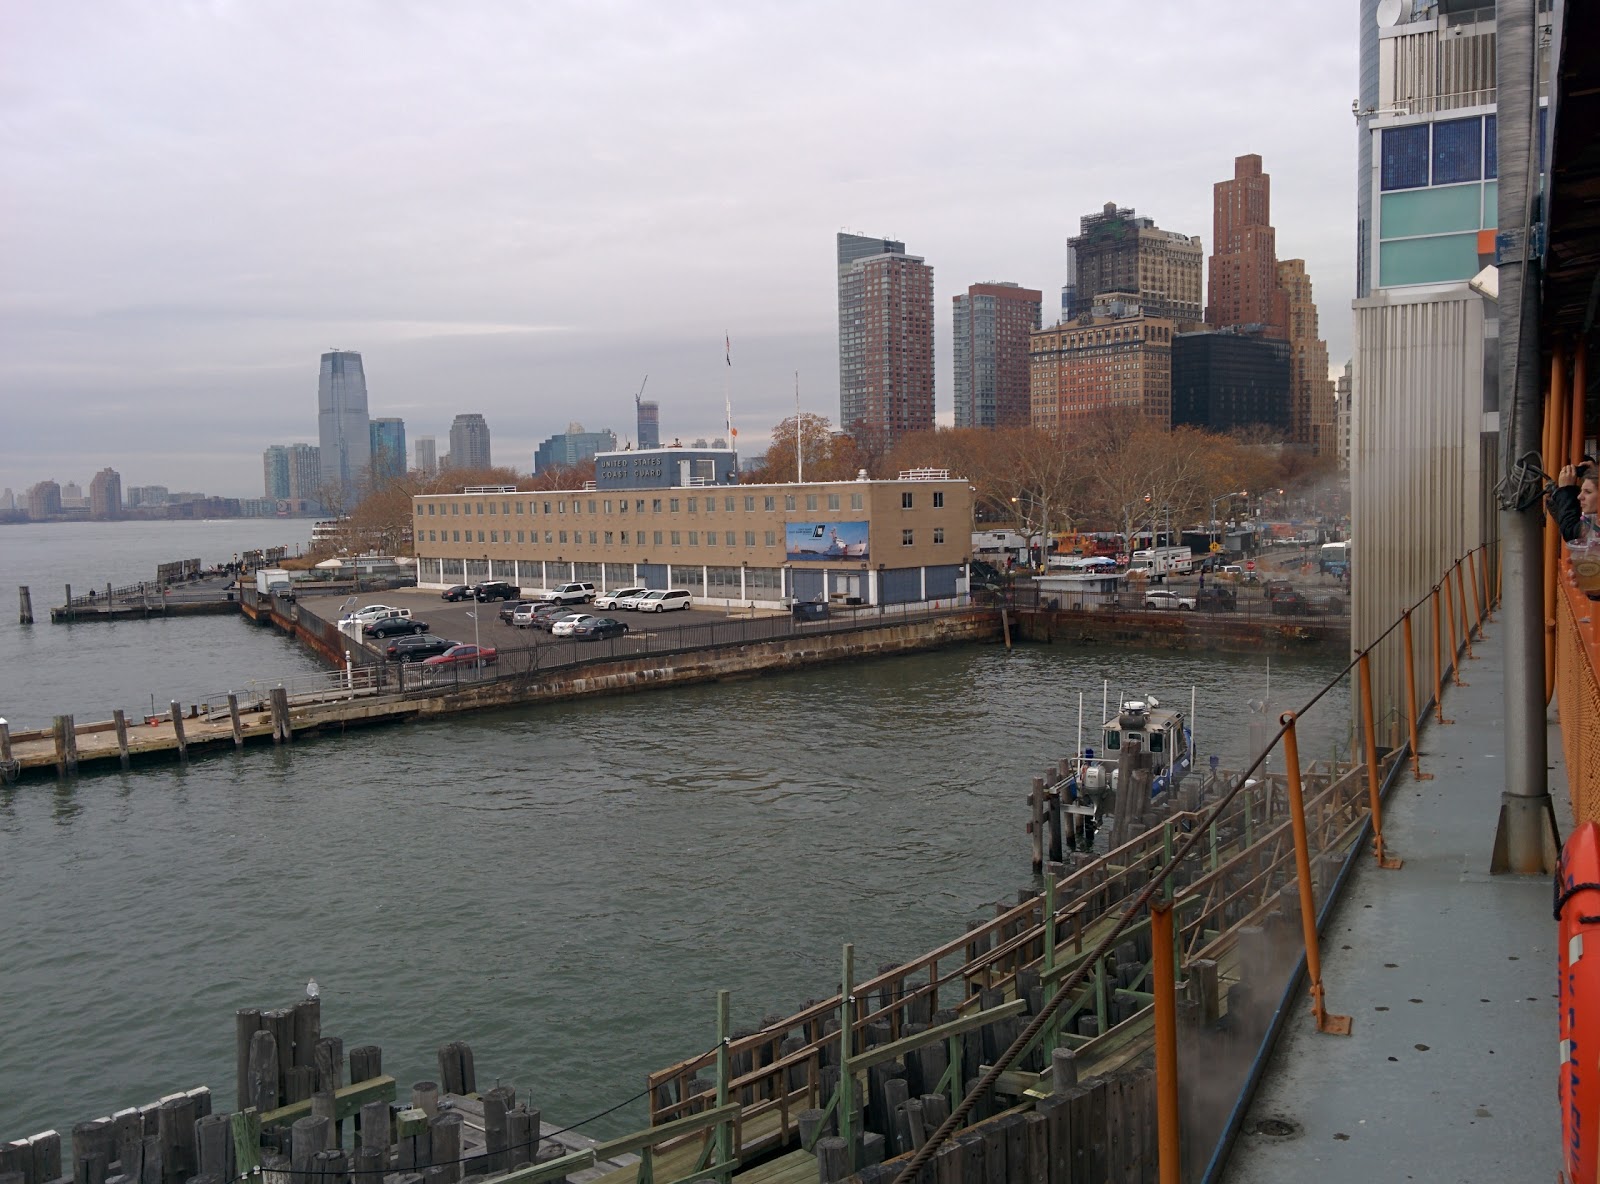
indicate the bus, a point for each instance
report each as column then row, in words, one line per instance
column 1156, row 562
column 1335, row 559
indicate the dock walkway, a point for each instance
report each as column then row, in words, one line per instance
column 1449, row 974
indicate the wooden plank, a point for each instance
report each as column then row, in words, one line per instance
column 347, row 1102
column 651, row 1136
column 967, row 1023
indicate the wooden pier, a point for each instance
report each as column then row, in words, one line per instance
column 845, row 1088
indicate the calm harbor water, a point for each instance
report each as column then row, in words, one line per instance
column 564, row 887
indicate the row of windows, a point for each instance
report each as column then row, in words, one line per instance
column 729, row 537
column 621, row 505
column 769, row 504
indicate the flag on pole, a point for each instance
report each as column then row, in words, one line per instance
column 728, row 345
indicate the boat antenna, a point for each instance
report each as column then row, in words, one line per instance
column 1078, row 753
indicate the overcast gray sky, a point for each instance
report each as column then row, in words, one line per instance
column 523, row 208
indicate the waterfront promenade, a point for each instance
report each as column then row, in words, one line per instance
column 1449, row 1073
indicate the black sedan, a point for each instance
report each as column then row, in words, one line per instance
column 394, row 626
column 456, row 592
column 414, row 649
column 600, row 627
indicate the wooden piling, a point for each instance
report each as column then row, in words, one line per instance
column 282, row 732
column 262, row 1086
column 66, row 740
column 120, row 720
column 1036, row 822
column 68, row 602
column 25, row 605
column 238, row 726
column 176, row 713
column 8, row 765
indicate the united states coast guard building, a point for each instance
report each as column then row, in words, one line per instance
column 678, row 518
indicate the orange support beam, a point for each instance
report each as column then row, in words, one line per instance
column 1411, row 700
column 1336, row 1025
column 1168, row 1143
column 1370, row 736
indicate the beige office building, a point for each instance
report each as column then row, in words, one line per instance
column 677, row 518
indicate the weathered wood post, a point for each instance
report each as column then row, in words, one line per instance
column 25, row 605
column 177, row 730
column 233, row 714
column 8, row 772
column 282, row 732
column 1036, row 823
column 69, row 602
column 66, row 740
column 120, row 720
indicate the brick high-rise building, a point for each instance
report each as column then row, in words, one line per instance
column 44, row 500
column 1118, row 251
column 1115, row 358
column 885, row 340
column 1243, row 287
column 1311, row 406
column 105, row 494
column 992, row 324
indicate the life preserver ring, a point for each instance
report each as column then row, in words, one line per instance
column 1577, row 909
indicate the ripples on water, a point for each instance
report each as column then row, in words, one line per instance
column 564, row 887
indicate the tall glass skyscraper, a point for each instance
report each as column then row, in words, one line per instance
column 388, row 438
column 469, row 442
column 343, row 431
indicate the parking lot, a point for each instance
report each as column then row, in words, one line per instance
column 456, row 621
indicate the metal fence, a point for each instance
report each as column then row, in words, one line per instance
column 1248, row 601
column 647, row 636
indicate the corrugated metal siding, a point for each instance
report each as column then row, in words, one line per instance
column 942, row 582
column 901, row 586
column 808, row 584
column 1421, row 474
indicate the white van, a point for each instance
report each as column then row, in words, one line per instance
column 660, row 602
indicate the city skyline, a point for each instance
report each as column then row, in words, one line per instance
column 528, row 290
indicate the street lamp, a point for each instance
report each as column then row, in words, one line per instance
column 1222, row 497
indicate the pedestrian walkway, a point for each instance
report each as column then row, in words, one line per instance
column 1449, row 974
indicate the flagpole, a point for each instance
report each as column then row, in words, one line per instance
column 727, row 395
column 799, row 455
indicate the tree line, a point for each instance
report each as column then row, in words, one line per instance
column 1115, row 472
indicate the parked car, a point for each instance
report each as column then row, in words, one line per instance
column 1277, row 588
column 373, row 612
column 522, row 617
column 629, row 603
column 1290, row 603
column 457, row 592
column 495, row 590
column 663, row 601
column 1161, row 598
column 393, row 626
column 610, row 599
column 508, row 610
column 548, row 614
column 596, row 628
column 415, row 649
column 1217, row 600
column 565, row 626
column 464, row 655
column 580, row 592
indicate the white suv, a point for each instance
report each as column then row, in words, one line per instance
column 579, row 593
column 613, row 598
column 660, row 602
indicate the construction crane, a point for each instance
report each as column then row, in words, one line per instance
column 640, row 395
